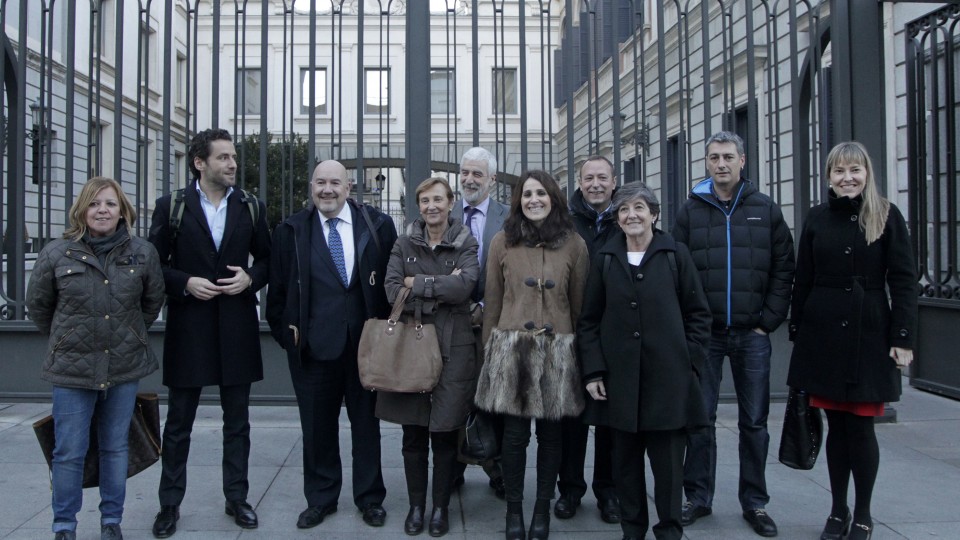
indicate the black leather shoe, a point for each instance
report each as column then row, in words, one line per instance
column 439, row 522
column 243, row 514
column 65, row 535
column 413, row 525
column 836, row 528
column 374, row 515
column 496, row 484
column 313, row 516
column 515, row 527
column 609, row 510
column 566, row 507
column 859, row 531
column 692, row 512
column 761, row 522
column 539, row 527
column 165, row 524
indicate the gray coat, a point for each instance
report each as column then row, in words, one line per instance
column 445, row 301
column 96, row 315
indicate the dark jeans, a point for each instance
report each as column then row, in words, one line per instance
column 665, row 450
column 513, row 461
column 572, row 483
column 416, row 453
column 181, row 412
column 749, row 354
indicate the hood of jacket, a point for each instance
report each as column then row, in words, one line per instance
column 704, row 191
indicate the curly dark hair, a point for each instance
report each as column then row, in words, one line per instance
column 200, row 146
column 517, row 228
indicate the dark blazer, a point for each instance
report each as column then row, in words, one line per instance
column 216, row 341
column 288, row 296
column 644, row 338
column 496, row 214
column 842, row 322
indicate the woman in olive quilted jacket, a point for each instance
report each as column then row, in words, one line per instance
column 94, row 292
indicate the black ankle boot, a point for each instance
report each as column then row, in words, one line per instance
column 539, row 526
column 439, row 521
column 413, row 525
column 515, row 526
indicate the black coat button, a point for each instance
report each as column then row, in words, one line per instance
column 853, row 217
column 636, row 335
column 844, row 323
column 847, row 250
column 903, row 332
column 848, row 289
column 633, row 305
column 639, row 276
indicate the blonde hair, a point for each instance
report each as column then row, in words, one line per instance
column 875, row 208
column 78, row 212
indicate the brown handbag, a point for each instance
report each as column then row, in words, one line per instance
column 143, row 441
column 399, row 357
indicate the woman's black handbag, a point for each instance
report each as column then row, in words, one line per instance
column 481, row 441
column 802, row 432
column 143, row 441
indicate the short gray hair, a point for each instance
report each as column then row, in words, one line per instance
column 481, row 154
column 724, row 137
column 632, row 191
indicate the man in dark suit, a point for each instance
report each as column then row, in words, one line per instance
column 326, row 279
column 484, row 217
column 212, row 334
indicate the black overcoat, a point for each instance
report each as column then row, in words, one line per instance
column 842, row 322
column 646, row 334
column 216, row 341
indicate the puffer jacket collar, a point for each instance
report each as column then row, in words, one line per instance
column 704, row 192
column 453, row 238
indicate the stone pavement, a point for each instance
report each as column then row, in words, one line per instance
column 917, row 494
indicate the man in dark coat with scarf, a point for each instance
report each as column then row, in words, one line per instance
column 326, row 280
column 212, row 335
column 592, row 216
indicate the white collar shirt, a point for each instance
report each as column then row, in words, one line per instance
column 216, row 215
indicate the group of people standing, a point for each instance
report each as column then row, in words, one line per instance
column 556, row 315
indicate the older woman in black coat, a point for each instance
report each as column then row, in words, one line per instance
column 642, row 336
column 850, row 338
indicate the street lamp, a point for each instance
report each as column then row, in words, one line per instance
column 380, row 179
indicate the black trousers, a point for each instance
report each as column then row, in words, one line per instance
column 572, row 483
column 665, row 450
column 416, row 463
column 321, row 387
column 181, row 412
column 513, row 459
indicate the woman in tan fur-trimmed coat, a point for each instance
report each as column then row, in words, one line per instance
column 536, row 272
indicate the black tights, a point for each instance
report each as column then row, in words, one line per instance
column 417, row 441
column 852, row 448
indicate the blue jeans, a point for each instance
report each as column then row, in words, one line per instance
column 749, row 354
column 72, row 411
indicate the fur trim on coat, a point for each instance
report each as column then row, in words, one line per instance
column 530, row 375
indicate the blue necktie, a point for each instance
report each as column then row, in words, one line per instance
column 336, row 249
column 469, row 212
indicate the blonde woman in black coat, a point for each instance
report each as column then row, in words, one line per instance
column 850, row 339
column 437, row 260
column 642, row 337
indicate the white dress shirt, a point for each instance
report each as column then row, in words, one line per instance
column 345, row 228
column 216, row 215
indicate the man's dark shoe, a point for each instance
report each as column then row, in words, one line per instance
column 242, row 513
column 413, row 525
column 313, row 516
column 566, row 507
column 374, row 515
column 516, row 529
column 498, row 488
column 609, row 509
column 165, row 524
column 761, row 522
column 111, row 531
column 439, row 522
column 65, row 535
column 692, row 512
column 539, row 527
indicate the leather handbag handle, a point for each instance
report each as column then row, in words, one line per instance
column 398, row 304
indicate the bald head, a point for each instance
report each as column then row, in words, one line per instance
column 329, row 187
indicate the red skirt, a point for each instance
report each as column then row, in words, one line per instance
column 857, row 408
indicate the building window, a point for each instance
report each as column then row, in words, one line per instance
column 249, row 90
column 443, row 91
column 377, row 91
column 319, row 91
column 181, row 79
column 505, row 91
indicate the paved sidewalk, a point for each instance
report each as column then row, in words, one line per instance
column 917, row 494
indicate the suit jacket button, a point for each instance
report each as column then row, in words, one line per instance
column 636, row 335
column 633, row 305
column 844, row 324
column 903, row 332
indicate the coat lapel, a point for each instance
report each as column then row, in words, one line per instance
column 361, row 236
column 234, row 210
column 191, row 199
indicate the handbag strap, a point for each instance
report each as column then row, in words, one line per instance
column 398, row 303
